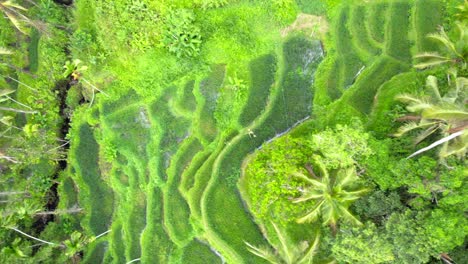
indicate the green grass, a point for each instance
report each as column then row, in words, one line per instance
column 382, row 119
column 68, row 192
column 188, row 101
column 313, row 7
column 201, row 179
column 209, row 92
column 129, row 132
column 100, row 205
column 175, row 169
column 95, row 252
column 376, row 19
column 364, row 44
column 262, row 74
column 111, row 106
column 155, row 243
column 361, row 95
column 177, row 211
column 427, row 16
column 33, row 54
column 347, row 57
column 134, row 219
column 301, row 58
column 187, row 178
column 173, row 129
column 397, row 43
column 116, row 251
column 199, row 253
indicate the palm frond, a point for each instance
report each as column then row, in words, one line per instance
column 430, row 55
column 416, row 108
column 263, row 252
column 10, row 4
column 311, row 252
column 353, row 195
column 458, row 147
column 330, row 214
column 5, row 51
column 445, row 114
column 409, row 127
column 431, row 63
column 309, row 195
column 437, row 143
column 287, row 254
column 16, row 22
column 5, row 92
column 312, row 215
column 345, row 176
column 313, row 182
column 348, row 216
column 408, row 98
column 443, row 38
column 423, row 135
column 431, row 82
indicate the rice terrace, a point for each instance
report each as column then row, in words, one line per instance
column 234, row 131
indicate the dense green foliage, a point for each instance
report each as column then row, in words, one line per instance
column 233, row 131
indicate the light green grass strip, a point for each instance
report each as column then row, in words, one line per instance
column 347, row 57
column 366, row 48
column 426, row 16
column 177, row 212
column 397, row 42
column 156, row 244
column 206, row 94
column 199, row 253
column 375, row 22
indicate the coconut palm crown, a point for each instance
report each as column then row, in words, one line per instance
column 446, row 115
column 454, row 50
column 333, row 194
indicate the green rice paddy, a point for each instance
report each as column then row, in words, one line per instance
column 163, row 171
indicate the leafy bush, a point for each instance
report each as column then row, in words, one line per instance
column 181, row 35
column 362, row 245
column 285, row 10
column 206, row 4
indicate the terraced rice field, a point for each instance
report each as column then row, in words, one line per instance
column 163, row 173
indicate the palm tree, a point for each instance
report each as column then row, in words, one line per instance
column 332, row 195
column 287, row 252
column 454, row 51
column 446, row 114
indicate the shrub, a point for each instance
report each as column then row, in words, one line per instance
column 180, row 34
column 206, row 4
